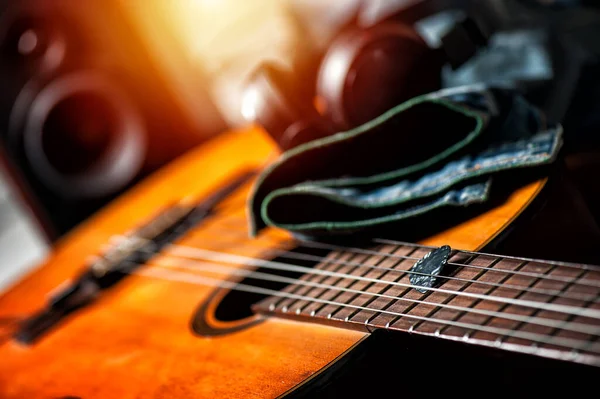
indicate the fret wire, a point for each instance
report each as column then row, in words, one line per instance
column 316, row 244
column 519, row 295
column 311, row 277
column 337, row 279
column 294, row 290
column 249, row 261
column 369, row 285
column 408, row 308
column 389, row 305
column 215, row 268
column 532, row 315
column 569, row 317
column 301, row 308
column 488, row 292
column 318, row 309
column 190, row 278
column 594, row 338
column 337, row 270
column 405, row 310
column 584, row 346
column 386, row 288
column 355, row 268
column 461, row 289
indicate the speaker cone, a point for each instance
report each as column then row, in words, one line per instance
column 83, row 137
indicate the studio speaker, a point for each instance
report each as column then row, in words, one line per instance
column 84, row 111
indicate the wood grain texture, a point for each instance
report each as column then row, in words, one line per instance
column 135, row 342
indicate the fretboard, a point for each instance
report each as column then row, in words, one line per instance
column 543, row 308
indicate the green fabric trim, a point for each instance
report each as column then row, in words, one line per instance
column 336, row 198
column 329, row 225
column 326, row 141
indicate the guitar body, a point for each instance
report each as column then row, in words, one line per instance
column 137, row 341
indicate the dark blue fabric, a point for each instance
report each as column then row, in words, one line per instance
column 515, row 135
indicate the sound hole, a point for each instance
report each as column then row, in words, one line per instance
column 236, row 304
column 78, row 131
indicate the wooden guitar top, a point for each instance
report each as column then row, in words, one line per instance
column 136, row 340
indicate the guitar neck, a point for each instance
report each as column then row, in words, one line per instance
column 543, row 308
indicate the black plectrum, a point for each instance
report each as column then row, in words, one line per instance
column 426, row 269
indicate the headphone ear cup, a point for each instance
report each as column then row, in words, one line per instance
column 365, row 72
column 275, row 101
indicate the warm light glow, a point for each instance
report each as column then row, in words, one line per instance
column 205, row 3
column 218, row 41
column 222, row 31
column 249, row 104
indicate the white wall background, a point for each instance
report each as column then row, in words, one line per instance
column 22, row 244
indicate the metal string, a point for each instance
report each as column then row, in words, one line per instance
column 314, row 244
column 577, row 266
column 197, row 253
column 231, row 270
column 301, row 256
column 221, row 257
column 241, row 225
column 184, row 251
column 564, row 342
column 317, row 244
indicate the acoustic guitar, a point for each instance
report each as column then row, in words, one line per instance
column 163, row 294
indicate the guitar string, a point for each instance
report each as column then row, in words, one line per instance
column 569, row 343
column 241, row 224
column 578, row 266
column 222, row 257
column 269, row 251
column 359, row 292
column 230, row 270
column 277, row 293
column 177, row 249
column 316, row 244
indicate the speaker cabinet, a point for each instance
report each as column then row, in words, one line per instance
column 84, row 111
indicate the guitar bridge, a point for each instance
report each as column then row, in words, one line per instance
column 125, row 254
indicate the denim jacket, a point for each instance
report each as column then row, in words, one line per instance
column 434, row 152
